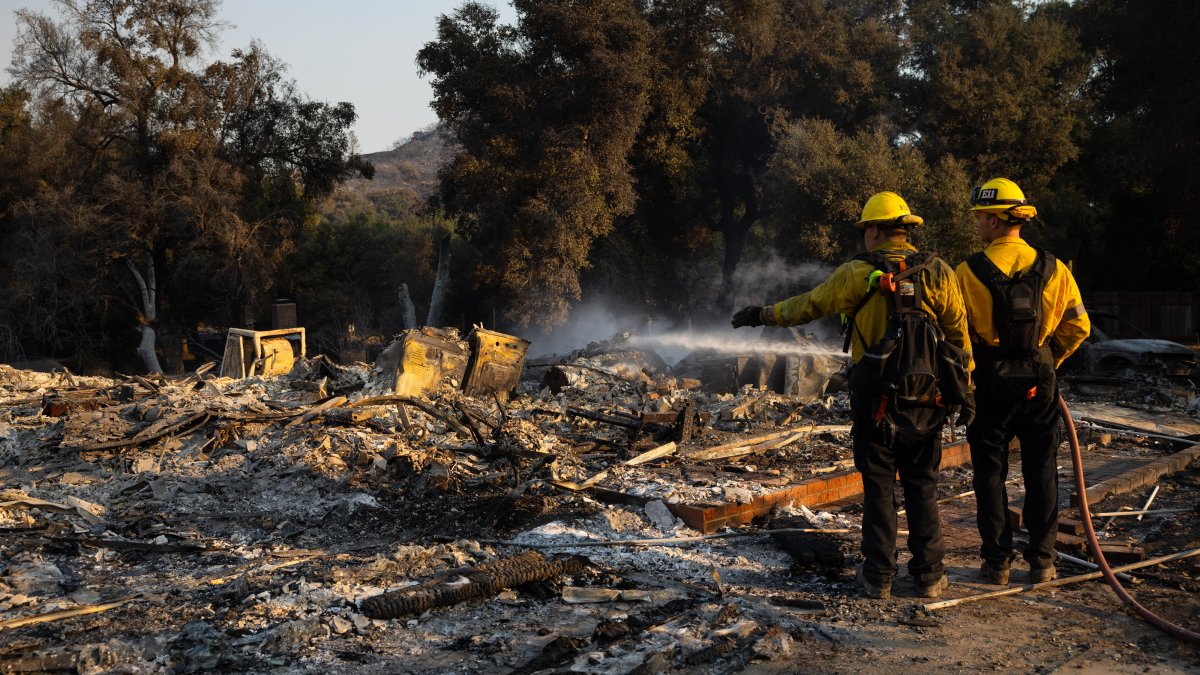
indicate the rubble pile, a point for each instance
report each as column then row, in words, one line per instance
column 212, row 494
column 323, row 520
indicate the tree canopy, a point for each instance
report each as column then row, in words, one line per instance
column 765, row 123
column 547, row 114
column 178, row 185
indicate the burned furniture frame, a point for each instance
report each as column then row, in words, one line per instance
column 240, row 361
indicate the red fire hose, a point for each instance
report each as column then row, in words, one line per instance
column 1094, row 544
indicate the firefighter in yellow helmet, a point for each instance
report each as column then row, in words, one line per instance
column 869, row 290
column 1026, row 316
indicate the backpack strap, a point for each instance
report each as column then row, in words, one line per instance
column 913, row 264
column 986, row 271
column 911, row 268
column 1035, row 277
column 1043, row 266
column 920, row 258
column 852, row 326
column 879, row 262
column 876, row 258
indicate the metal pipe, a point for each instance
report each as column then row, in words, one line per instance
column 1152, row 512
column 1062, row 581
column 1093, row 566
column 1146, row 506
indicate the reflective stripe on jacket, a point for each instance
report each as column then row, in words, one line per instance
column 842, row 291
column 1065, row 324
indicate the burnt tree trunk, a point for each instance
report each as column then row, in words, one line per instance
column 734, row 191
column 735, row 242
column 437, row 298
column 148, row 316
column 408, row 311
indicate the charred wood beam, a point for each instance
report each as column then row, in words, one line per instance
column 612, row 635
column 348, row 417
column 471, row 422
column 424, row 407
column 483, row 581
column 257, row 417
column 67, row 613
column 595, row 440
column 122, row 545
column 574, row 365
column 684, row 424
column 626, row 422
column 405, row 423
column 57, row 403
column 41, row 663
column 188, row 422
column 154, row 388
column 501, row 408
column 24, row 530
column 1109, row 425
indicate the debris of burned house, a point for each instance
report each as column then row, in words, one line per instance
column 1117, row 348
column 482, row 581
column 804, row 376
column 423, row 360
column 781, row 360
column 264, row 353
column 818, row 552
column 616, row 357
column 497, row 361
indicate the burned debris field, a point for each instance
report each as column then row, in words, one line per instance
column 611, row 515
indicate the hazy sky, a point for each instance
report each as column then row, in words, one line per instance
column 361, row 51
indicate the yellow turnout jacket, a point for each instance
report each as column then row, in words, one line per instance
column 842, row 291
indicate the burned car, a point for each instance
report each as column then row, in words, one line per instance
column 1105, row 354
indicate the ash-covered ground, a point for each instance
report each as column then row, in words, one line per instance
column 206, row 524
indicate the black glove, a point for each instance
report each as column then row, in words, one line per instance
column 966, row 414
column 748, row 316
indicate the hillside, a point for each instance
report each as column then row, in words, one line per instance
column 411, row 166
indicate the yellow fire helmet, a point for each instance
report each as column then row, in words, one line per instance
column 1002, row 197
column 887, row 209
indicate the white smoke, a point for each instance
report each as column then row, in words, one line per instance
column 588, row 321
column 764, row 280
column 769, row 279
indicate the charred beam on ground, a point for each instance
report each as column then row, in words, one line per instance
column 484, row 580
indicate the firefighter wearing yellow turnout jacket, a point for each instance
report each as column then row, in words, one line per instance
column 875, row 291
column 1026, row 316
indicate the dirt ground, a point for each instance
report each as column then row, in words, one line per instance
column 252, row 546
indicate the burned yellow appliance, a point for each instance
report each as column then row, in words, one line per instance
column 428, row 357
column 496, row 363
column 261, row 352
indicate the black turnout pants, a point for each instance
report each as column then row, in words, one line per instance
column 917, row 461
column 1037, row 426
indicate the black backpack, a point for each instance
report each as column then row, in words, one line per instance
column 912, row 375
column 1018, row 369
